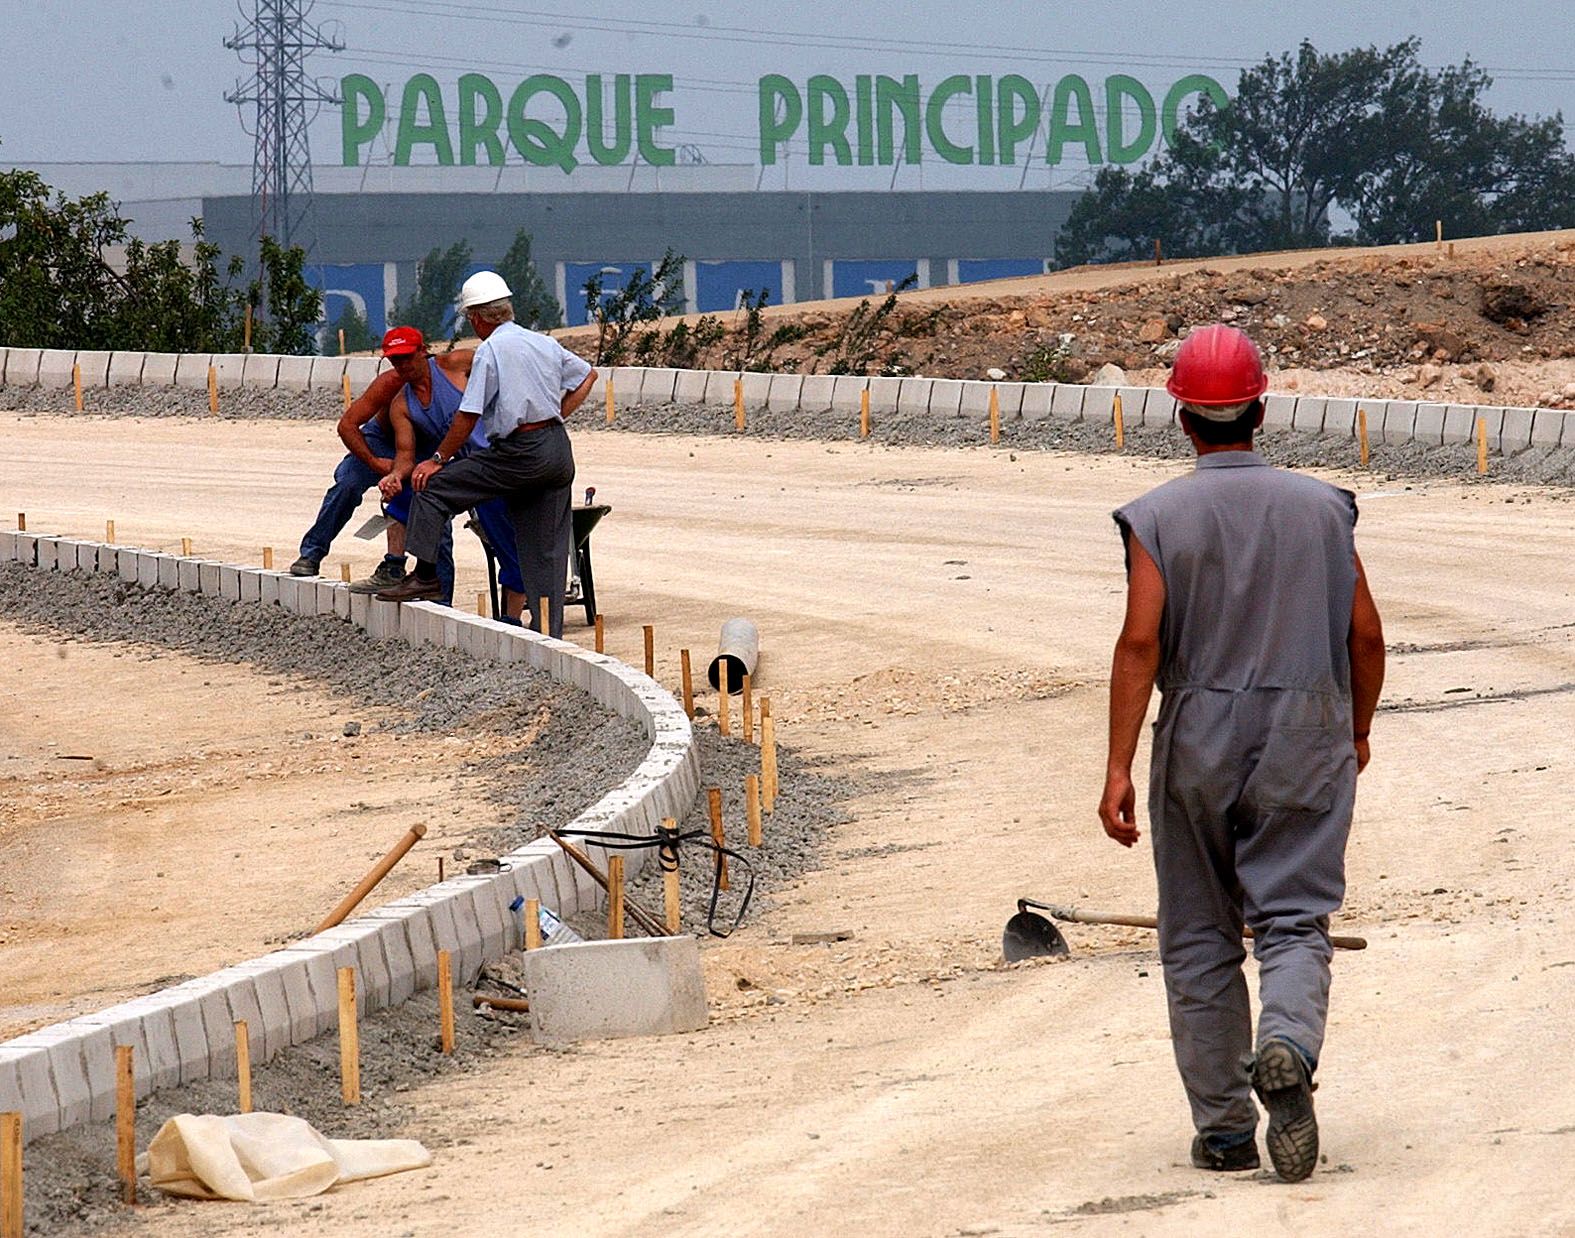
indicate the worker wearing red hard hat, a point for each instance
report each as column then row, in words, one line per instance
column 1247, row 605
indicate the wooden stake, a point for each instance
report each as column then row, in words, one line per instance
column 378, row 871
column 21, row 522
column 615, row 897
column 126, row 1123
column 109, row 532
column 611, row 399
column 246, row 338
column 481, row 602
column 185, row 547
column 1451, row 251
column 995, row 414
column 1121, row 429
column 689, row 683
column 10, row 1175
column 267, row 558
column 768, row 757
column 344, row 383
column 1481, row 444
column 349, row 1040
column 213, row 390
column 738, row 404
column 601, row 635
column 76, row 385
column 533, row 924
column 1361, row 434
column 445, row 982
column 341, row 341
column 671, row 905
column 642, row 917
column 748, row 710
column 1159, row 252
column 1438, row 226
column 714, row 796
column 752, row 808
column 864, row 413
column 243, row 1066
column 650, row 650
column 440, row 870
column 344, row 572
column 724, row 711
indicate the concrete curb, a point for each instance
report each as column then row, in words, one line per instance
column 64, row 1075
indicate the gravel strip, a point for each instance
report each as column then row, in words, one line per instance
column 235, row 403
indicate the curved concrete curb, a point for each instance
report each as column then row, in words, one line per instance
column 64, row 1075
column 1388, row 421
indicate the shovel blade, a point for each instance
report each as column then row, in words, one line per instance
column 1030, row 936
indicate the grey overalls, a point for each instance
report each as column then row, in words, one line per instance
column 1253, row 774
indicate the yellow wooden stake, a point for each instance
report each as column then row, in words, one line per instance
column 533, row 924
column 650, row 650
column 349, row 1040
column 267, row 558
column 768, row 757
column 445, row 983
column 76, row 385
column 126, row 1123
column 714, row 799
column 724, row 706
column 344, row 572
column 995, row 414
column 344, row 383
column 738, row 403
column 246, row 338
column 689, row 683
column 747, row 704
column 1438, row 226
column 1361, row 434
column 1481, row 444
column 109, row 532
column 1121, row 429
column 10, row 1175
column 213, row 390
column 21, row 522
column 611, row 399
column 671, row 903
column 185, row 547
column 243, row 1067
column 615, row 897
column 864, row 413
column 544, row 615
column 481, row 602
column 752, row 808
column 601, row 635
column 341, row 341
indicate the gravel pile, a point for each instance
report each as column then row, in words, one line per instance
column 235, row 403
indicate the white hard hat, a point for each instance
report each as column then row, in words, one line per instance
column 482, row 287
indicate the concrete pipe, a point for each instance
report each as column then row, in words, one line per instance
column 739, row 650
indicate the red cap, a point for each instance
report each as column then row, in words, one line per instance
column 1217, row 366
column 402, row 341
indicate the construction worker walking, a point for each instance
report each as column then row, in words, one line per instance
column 1247, row 604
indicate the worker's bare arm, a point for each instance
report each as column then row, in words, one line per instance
column 1132, row 673
column 456, row 364
column 1366, row 647
column 373, row 402
column 458, row 431
column 404, row 448
column 573, row 399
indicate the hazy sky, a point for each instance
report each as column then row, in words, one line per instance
column 123, row 80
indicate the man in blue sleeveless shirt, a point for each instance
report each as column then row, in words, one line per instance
column 1247, row 603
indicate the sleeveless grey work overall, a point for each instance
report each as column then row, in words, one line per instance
column 1253, row 775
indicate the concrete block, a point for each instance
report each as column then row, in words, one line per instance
column 382, row 619
column 305, row 595
column 1429, row 426
column 1159, row 408
column 689, row 387
column 464, row 948
column 658, row 385
column 7, row 546
column 1066, row 401
column 158, row 369
column 267, row 588
column 646, row 986
column 1308, row 416
column 946, row 397
column 342, row 598
column 26, row 1080
column 360, row 608
column 73, row 1094
column 290, row 592
column 362, row 370
column 316, row 1009
column 783, row 392
column 229, row 370
column 299, row 1001
column 21, row 366
column 125, row 369
column 327, row 593
column 401, row 961
column 1279, row 412
column 169, row 571
column 229, row 582
column 1460, row 423
column 1515, row 430
column 625, row 381
column 1339, row 418
column 191, row 370
column 1099, row 405
column 883, row 394
column 757, row 389
column 240, row 993
column 416, row 922
column 189, row 573
column 293, row 373
column 1399, row 422
column 913, row 396
column 260, row 371
column 94, row 365
column 816, row 392
column 191, row 1032
column 148, row 569
column 251, row 585
column 27, row 549
column 54, row 368
column 1547, row 427
column 719, row 388
column 326, row 374
column 158, row 1031
column 208, row 577
column 847, row 392
column 109, row 560
column 46, row 553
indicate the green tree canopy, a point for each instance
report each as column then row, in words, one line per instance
column 430, row 305
column 534, row 304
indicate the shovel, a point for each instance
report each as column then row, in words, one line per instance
column 1029, row 936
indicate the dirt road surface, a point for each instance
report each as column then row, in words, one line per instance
column 944, row 618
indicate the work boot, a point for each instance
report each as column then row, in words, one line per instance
column 305, row 566
column 388, row 574
column 413, row 589
column 1281, row 1079
column 1206, row 1154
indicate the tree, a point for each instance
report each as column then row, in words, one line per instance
column 643, row 298
column 430, row 306
column 290, row 306
column 534, row 304
column 358, row 336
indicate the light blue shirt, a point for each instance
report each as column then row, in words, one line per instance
column 519, row 377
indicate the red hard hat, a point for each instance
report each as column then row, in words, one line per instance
column 1217, row 366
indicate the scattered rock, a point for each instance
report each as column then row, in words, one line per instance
column 995, row 374
column 1108, row 375
column 1428, row 376
column 1503, row 301
column 352, row 729
column 1486, row 377
column 1317, row 322
column 1153, row 331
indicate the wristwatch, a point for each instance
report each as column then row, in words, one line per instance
column 437, row 458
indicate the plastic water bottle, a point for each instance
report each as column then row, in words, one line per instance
column 554, row 932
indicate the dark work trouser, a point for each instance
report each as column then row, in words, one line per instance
column 533, row 473
column 1250, row 800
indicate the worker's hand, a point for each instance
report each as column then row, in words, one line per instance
column 1118, row 808
column 1364, row 754
column 423, row 474
column 390, row 486
column 383, row 465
